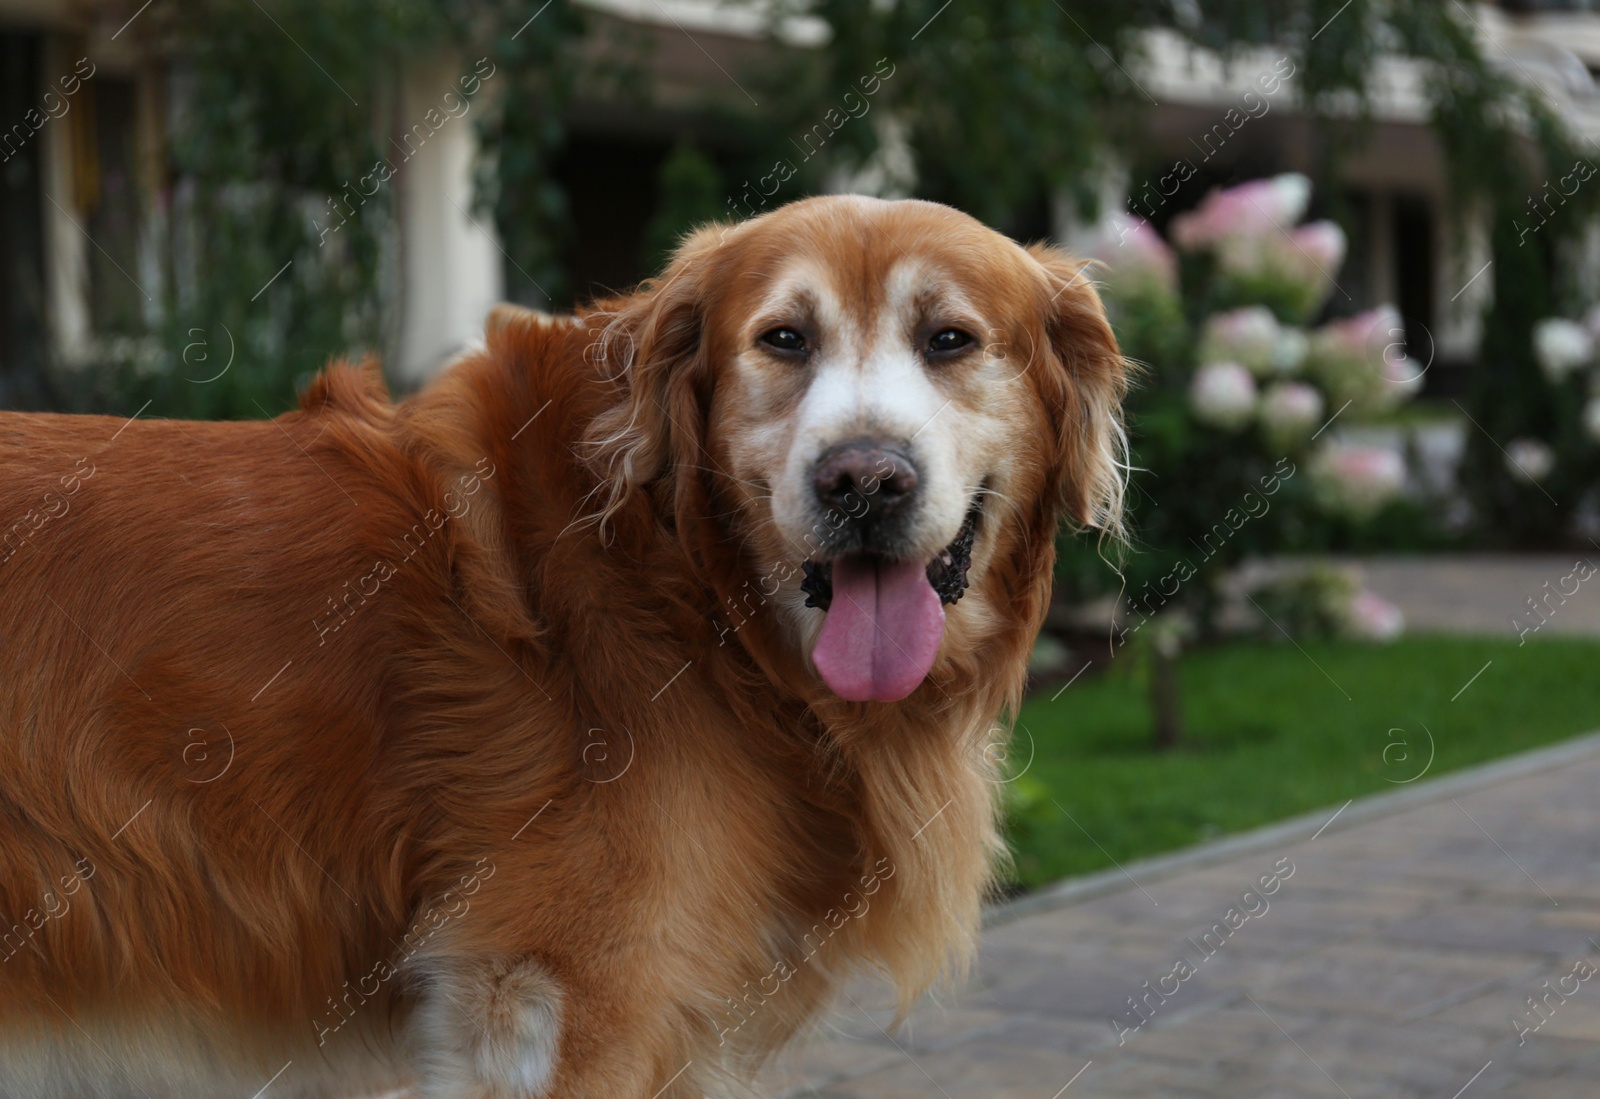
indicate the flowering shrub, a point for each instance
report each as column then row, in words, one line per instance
column 1237, row 391
column 1548, row 460
column 1247, row 212
column 1143, row 257
column 1245, row 234
column 1536, row 379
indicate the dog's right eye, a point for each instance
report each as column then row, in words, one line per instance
column 784, row 339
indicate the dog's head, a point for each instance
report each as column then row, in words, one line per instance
column 866, row 419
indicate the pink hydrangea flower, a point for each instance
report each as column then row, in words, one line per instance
column 1290, row 353
column 1358, row 480
column 1223, row 395
column 1291, row 409
column 1370, row 330
column 1322, row 244
column 1253, row 231
column 1250, row 209
column 1402, row 374
column 1248, row 336
column 1133, row 252
column 1362, row 360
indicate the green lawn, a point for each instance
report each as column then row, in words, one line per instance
column 1270, row 736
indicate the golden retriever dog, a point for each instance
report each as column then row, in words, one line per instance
column 572, row 727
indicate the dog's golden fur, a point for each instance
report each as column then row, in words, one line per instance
column 323, row 717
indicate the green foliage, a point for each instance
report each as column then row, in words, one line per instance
column 268, row 152
column 1512, row 399
column 1509, row 399
column 1155, row 335
column 692, row 191
column 538, row 61
column 1012, row 102
column 282, row 240
column 1006, row 103
column 1291, row 301
column 1269, row 736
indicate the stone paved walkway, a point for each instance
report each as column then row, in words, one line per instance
column 1398, row 959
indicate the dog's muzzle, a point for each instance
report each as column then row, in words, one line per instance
column 947, row 572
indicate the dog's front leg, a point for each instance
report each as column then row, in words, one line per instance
column 506, row 1028
column 486, row 1029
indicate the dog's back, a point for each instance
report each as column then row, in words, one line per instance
column 189, row 614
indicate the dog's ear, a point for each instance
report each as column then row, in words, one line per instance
column 1083, row 392
column 651, row 349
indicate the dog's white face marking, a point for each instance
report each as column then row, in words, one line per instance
column 486, row 1029
column 868, row 376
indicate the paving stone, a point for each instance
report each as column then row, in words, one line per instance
column 1254, row 1078
column 1490, row 1012
column 1578, row 1018
column 1077, row 935
column 1095, row 993
column 994, row 1072
column 1077, row 1036
column 1371, row 978
column 1279, row 937
column 812, row 1065
column 1557, row 1089
column 1215, row 1033
column 1390, row 965
column 1136, row 1080
column 1361, row 903
column 1477, row 593
column 1499, row 928
column 1407, row 1057
column 945, row 1025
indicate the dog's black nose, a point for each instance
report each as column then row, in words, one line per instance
column 865, row 478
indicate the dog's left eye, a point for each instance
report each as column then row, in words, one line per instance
column 784, row 339
column 949, row 339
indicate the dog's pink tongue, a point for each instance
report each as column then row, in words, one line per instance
column 882, row 630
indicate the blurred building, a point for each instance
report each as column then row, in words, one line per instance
column 84, row 111
column 85, row 187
